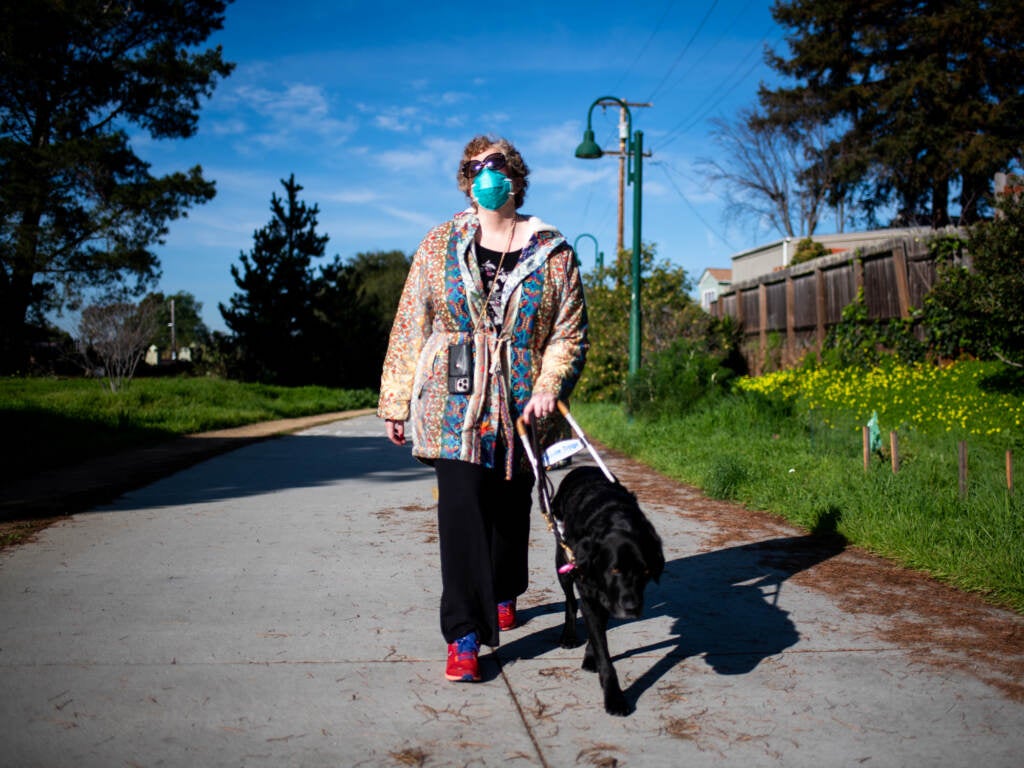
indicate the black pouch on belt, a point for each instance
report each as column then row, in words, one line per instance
column 460, row 368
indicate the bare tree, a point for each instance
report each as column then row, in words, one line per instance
column 764, row 173
column 116, row 335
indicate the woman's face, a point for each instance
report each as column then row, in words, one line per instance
column 492, row 157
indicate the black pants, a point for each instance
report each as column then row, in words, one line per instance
column 483, row 525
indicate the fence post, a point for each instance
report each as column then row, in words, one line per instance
column 962, row 451
column 762, row 321
column 867, row 446
column 820, row 309
column 790, row 321
column 894, row 446
column 899, row 263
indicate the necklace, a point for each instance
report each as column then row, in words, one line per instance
column 497, row 272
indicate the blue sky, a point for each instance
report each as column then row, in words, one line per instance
column 370, row 104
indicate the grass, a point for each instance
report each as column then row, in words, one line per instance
column 53, row 422
column 775, row 454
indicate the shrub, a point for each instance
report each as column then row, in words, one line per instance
column 668, row 313
column 858, row 341
column 807, row 249
column 689, row 371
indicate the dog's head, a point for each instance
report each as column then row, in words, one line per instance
column 618, row 568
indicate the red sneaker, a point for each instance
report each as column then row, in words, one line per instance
column 463, row 659
column 507, row 615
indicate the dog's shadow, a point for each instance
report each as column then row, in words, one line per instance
column 724, row 605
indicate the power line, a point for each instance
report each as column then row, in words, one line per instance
column 718, row 95
column 665, row 169
column 643, row 49
column 714, row 45
column 685, row 49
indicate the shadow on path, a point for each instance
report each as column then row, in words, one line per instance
column 289, row 462
column 187, row 474
column 724, row 605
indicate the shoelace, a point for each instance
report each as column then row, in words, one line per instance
column 467, row 644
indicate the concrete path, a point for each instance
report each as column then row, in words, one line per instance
column 277, row 606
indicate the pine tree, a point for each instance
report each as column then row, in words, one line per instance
column 78, row 208
column 272, row 316
column 355, row 307
column 928, row 96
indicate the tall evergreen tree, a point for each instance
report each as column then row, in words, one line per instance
column 78, row 208
column 355, row 305
column 273, row 314
column 929, row 95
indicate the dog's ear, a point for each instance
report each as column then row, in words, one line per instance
column 583, row 553
column 658, row 566
column 654, row 557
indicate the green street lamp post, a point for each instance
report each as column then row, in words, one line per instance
column 598, row 256
column 588, row 150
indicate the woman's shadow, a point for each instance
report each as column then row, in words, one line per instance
column 724, row 605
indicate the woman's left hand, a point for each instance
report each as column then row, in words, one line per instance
column 540, row 405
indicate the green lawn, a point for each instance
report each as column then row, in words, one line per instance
column 56, row 422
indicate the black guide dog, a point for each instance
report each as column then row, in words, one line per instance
column 617, row 551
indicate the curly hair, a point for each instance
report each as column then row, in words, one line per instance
column 515, row 167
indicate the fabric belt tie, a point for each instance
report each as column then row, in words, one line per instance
column 489, row 350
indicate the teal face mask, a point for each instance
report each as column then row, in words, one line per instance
column 491, row 189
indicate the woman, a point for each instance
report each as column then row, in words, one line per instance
column 491, row 326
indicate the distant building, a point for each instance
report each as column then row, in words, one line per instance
column 157, row 356
column 713, row 282
column 765, row 259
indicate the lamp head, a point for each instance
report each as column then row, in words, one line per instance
column 588, row 148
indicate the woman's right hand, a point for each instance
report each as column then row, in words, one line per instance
column 396, row 431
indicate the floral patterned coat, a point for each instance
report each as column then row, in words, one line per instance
column 541, row 348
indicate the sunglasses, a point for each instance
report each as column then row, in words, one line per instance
column 495, row 162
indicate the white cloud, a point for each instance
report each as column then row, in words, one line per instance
column 352, row 196
column 427, row 158
column 422, row 220
column 280, row 118
column 399, row 119
column 230, row 127
column 399, row 159
column 451, row 97
column 573, row 175
column 559, row 140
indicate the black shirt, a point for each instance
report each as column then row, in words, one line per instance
column 488, row 260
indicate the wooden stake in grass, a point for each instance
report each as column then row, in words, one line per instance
column 894, row 446
column 963, row 468
column 867, row 447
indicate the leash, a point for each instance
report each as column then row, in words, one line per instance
column 545, row 488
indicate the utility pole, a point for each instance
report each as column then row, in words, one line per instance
column 623, row 137
column 174, row 342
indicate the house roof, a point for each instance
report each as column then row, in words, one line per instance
column 720, row 274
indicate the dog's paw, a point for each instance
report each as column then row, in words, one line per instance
column 615, row 704
column 568, row 639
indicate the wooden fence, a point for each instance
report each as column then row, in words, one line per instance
column 786, row 314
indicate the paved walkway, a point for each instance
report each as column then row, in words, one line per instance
column 277, row 606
